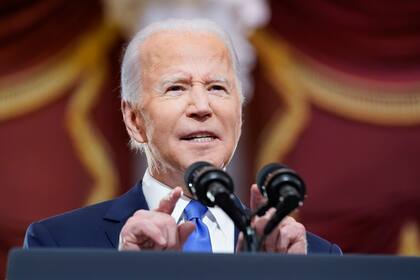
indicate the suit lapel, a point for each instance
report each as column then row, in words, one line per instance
column 236, row 238
column 121, row 209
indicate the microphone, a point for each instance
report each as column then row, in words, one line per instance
column 283, row 188
column 213, row 186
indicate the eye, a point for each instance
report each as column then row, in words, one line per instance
column 217, row 88
column 176, row 88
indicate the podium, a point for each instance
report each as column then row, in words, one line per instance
column 111, row 264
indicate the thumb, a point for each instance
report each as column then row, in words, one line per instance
column 257, row 199
column 184, row 230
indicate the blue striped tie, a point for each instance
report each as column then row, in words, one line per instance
column 199, row 239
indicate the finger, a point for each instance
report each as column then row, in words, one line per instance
column 167, row 204
column 240, row 243
column 287, row 221
column 259, row 223
column 272, row 240
column 142, row 236
column 257, row 199
column 292, row 238
column 168, row 229
column 124, row 245
column 286, row 234
column 172, row 236
column 283, row 241
column 184, row 230
column 299, row 248
column 164, row 222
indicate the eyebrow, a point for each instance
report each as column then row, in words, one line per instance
column 218, row 79
column 173, row 78
column 186, row 78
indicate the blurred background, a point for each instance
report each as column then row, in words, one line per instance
column 332, row 90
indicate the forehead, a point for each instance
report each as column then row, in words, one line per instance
column 169, row 49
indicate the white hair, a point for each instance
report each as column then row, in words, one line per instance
column 131, row 86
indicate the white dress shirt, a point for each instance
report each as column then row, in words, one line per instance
column 221, row 227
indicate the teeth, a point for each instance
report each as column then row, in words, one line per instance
column 202, row 139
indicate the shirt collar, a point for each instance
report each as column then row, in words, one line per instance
column 154, row 191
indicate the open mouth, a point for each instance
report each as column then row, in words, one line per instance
column 200, row 137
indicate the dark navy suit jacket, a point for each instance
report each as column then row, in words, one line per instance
column 99, row 226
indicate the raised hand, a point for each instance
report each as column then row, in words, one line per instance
column 155, row 229
column 288, row 237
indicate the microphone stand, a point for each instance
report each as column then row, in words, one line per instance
column 283, row 208
column 241, row 220
column 251, row 240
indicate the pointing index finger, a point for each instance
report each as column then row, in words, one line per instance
column 167, row 204
column 257, row 199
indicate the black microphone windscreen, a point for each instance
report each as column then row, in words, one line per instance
column 192, row 170
column 269, row 168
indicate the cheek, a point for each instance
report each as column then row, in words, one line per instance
column 158, row 131
column 163, row 122
column 236, row 117
column 233, row 124
column 153, row 128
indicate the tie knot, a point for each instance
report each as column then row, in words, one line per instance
column 194, row 210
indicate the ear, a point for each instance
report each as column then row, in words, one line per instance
column 134, row 122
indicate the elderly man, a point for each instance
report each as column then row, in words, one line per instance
column 181, row 103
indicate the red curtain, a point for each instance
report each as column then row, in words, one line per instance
column 348, row 78
column 62, row 141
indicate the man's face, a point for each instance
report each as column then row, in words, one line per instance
column 190, row 108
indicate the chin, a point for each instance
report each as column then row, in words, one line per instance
column 213, row 157
column 216, row 162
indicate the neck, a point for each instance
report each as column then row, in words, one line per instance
column 171, row 178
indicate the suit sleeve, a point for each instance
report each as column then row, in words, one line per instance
column 37, row 235
column 318, row 245
column 335, row 250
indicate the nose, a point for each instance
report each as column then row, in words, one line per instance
column 199, row 104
